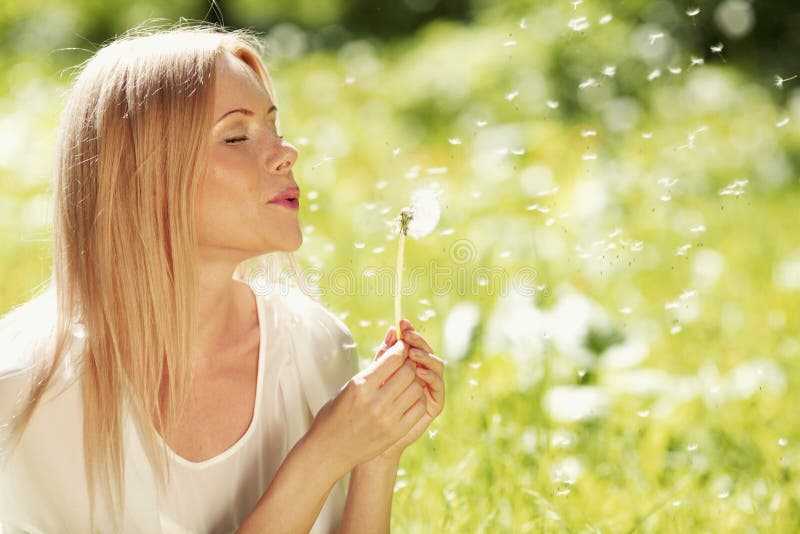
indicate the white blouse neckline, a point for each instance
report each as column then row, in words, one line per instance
column 239, row 443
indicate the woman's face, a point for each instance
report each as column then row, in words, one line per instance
column 248, row 165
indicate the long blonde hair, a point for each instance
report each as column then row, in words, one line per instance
column 129, row 158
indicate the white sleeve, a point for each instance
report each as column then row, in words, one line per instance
column 330, row 358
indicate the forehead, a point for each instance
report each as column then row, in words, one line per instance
column 236, row 84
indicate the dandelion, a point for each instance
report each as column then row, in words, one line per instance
column 675, row 70
column 696, row 61
column 512, row 95
column 552, row 104
column 653, row 75
column 454, row 141
column 590, row 82
column 418, row 220
column 698, row 229
column 780, row 81
column 783, row 122
column 609, row 70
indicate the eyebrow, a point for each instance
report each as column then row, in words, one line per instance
column 245, row 111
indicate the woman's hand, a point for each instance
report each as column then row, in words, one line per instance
column 429, row 370
column 372, row 411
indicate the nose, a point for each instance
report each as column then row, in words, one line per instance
column 283, row 158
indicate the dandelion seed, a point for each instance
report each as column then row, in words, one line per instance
column 436, row 170
column 475, row 365
column 481, row 124
column 523, row 24
column 505, row 254
column 647, row 135
column 473, row 382
column 675, row 329
column 312, row 195
column 699, row 229
column 396, row 151
column 683, row 249
column 325, row 159
column 672, row 305
column 512, row 95
column 565, row 491
column 676, row 503
column 717, row 49
column 666, row 198
column 626, row 310
column 735, row 189
column 313, row 207
column 615, row 233
column 667, row 182
column 780, row 81
column 578, row 24
column 675, row 70
column 609, row 70
column 454, row 141
column 692, row 447
column 643, row 413
column 655, row 37
column 605, row 19
column 576, row 3
column 693, row 11
column 724, row 495
column 365, row 324
column 349, row 80
column 637, row 246
column 552, row 104
column 447, row 231
column 426, row 315
column 590, row 82
column 653, row 75
column 384, row 211
column 381, row 184
column 589, row 157
column 476, row 194
column 783, row 442
column 550, row 222
column 432, row 433
column 424, row 302
column 359, row 244
column 518, row 151
column 688, row 294
column 510, row 42
column 696, row 61
column 588, row 133
column 378, row 250
column 783, row 122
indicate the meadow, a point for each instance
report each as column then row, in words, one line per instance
column 613, row 281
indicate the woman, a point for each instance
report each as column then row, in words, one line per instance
column 149, row 389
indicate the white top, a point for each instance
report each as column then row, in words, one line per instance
column 306, row 354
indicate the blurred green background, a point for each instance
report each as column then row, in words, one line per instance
column 618, row 258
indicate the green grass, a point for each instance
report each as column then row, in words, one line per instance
column 720, row 458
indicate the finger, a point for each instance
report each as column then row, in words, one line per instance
column 389, row 362
column 428, row 360
column 434, row 383
column 409, row 397
column 388, row 341
column 415, row 339
column 398, row 382
column 413, row 414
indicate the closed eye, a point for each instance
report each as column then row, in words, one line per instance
column 237, row 139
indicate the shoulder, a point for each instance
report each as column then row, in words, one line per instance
column 325, row 354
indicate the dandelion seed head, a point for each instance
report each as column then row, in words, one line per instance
column 424, row 212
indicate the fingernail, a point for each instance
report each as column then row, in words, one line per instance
column 388, row 335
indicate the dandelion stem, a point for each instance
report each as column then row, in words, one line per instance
column 406, row 215
column 399, row 283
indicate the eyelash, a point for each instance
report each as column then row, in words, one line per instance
column 240, row 138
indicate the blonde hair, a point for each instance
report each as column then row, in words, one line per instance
column 129, row 158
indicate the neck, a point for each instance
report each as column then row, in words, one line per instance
column 226, row 310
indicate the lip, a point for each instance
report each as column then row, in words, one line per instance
column 291, row 192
